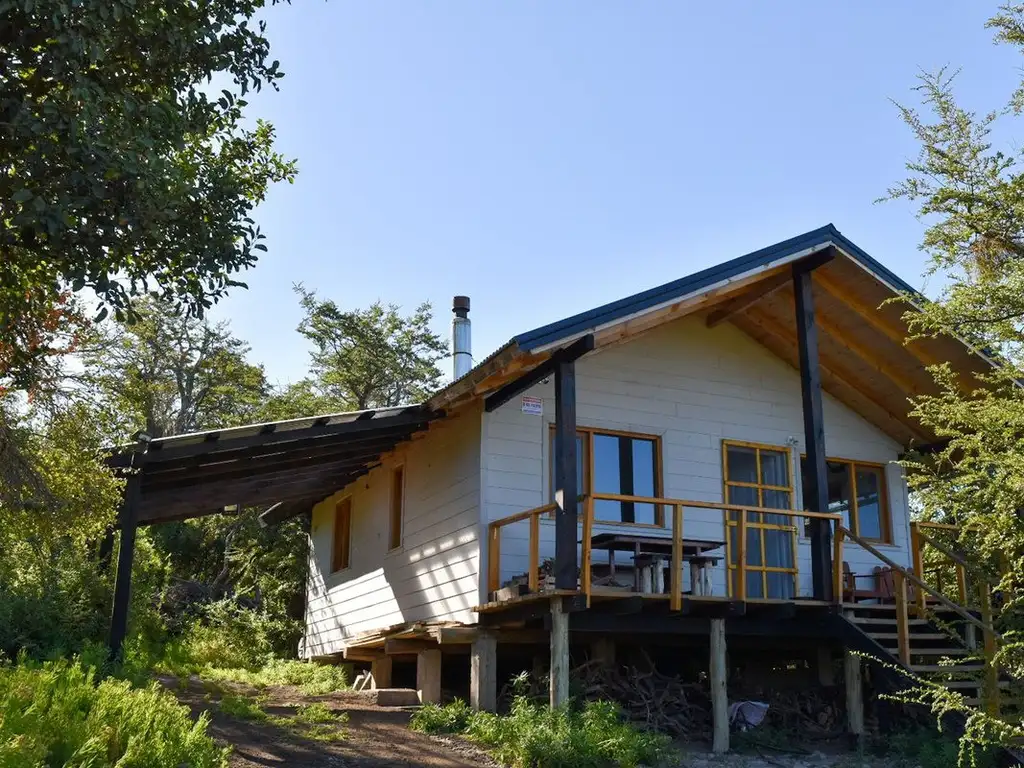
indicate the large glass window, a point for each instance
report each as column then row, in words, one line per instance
column 856, row 491
column 759, row 476
column 620, row 464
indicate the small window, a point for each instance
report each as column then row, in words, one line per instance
column 397, row 505
column 621, row 464
column 857, row 492
column 342, row 543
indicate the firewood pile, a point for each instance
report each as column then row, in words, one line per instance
column 682, row 709
column 661, row 702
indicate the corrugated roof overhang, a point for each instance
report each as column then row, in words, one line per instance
column 292, row 463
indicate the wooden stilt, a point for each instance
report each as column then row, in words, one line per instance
column 380, row 669
column 559, row 684
column 483, row 673
column 719, row 694
column 854, row 692
column 428, row 676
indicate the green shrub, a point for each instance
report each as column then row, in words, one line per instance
column 927, row 748
column 242, row 707
column 56, row 714
column 535, row 736
column 433, row 718
column 312, row 714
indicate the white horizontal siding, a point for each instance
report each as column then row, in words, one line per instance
column 434, row 574
column 693, row 387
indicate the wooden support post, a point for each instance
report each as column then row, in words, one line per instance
column 816, row 478
column 483, row 673
column 719, row 693
column 129, row 520
column 961, row 584
column 428, row 676
column 826, row 670
column 902, row 616
column 602, row 651
column 854, row 691
column 493, row 560
column 380, row 670
column 566, row 492
column 559, row 674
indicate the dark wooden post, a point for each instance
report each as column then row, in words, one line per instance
column 566, row 492
column 814, row 435
column 129, row 519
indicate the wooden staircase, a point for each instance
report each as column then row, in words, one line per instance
column 942, row 650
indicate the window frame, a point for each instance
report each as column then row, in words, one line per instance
column 587, row 433
column 885, row 508
column 395, row 543
column 759, row 524
column 341, row 553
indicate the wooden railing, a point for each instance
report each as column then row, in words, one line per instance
column 676, row 530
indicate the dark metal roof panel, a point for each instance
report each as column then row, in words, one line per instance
column 652, row 297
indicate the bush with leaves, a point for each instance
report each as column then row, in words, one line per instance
column 58, row 713
column 533, row 735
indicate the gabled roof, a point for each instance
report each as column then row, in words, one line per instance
column 801, row 245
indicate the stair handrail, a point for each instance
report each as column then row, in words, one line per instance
column 913, row 578
column 957, row 559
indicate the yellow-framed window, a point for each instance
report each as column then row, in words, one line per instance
column 617, row 463
column 759, row 475
column 341, row 544
column 397, row 507
column 857, row 490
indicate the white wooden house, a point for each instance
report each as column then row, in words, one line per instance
column 707, row 411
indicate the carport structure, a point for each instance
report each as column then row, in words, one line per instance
column 285, row 466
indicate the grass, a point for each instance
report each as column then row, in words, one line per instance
column 59, row 713
column 534, row 736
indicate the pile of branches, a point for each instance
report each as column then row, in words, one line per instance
column 806, row 713
column 660, row 702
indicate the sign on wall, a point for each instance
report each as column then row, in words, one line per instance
column 533, row 405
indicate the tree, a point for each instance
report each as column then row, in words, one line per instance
column 121, row 170
column 367, row 358
column 168, row 373
column 971, row 193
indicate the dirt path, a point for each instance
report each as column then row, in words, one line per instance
column 374, row 736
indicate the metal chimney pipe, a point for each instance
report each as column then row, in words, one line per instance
column 462, row 356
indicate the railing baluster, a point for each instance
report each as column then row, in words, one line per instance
column 534, row 575
column 917, row 558
column 676, row 599
column 493, row 559
column 902, row 616
column 991, row 682
column 837, row 565
column 741, row 556
column 961, row 583
column 588, row 533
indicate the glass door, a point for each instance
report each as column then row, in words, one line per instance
column 759, row 475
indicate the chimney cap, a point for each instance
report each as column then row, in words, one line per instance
column 460, row 305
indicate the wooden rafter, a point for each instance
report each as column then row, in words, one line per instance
column 836, row 380
column 747, row 299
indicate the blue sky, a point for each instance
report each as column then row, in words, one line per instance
column 545, row 158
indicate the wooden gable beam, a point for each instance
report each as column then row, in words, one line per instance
column 549, row 367
column 748, row 299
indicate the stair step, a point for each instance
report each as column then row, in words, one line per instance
column 971, row 684
column 951, row 668
column 913, row 636
column 887, row 620
column 939, row 652
column 890, row 607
